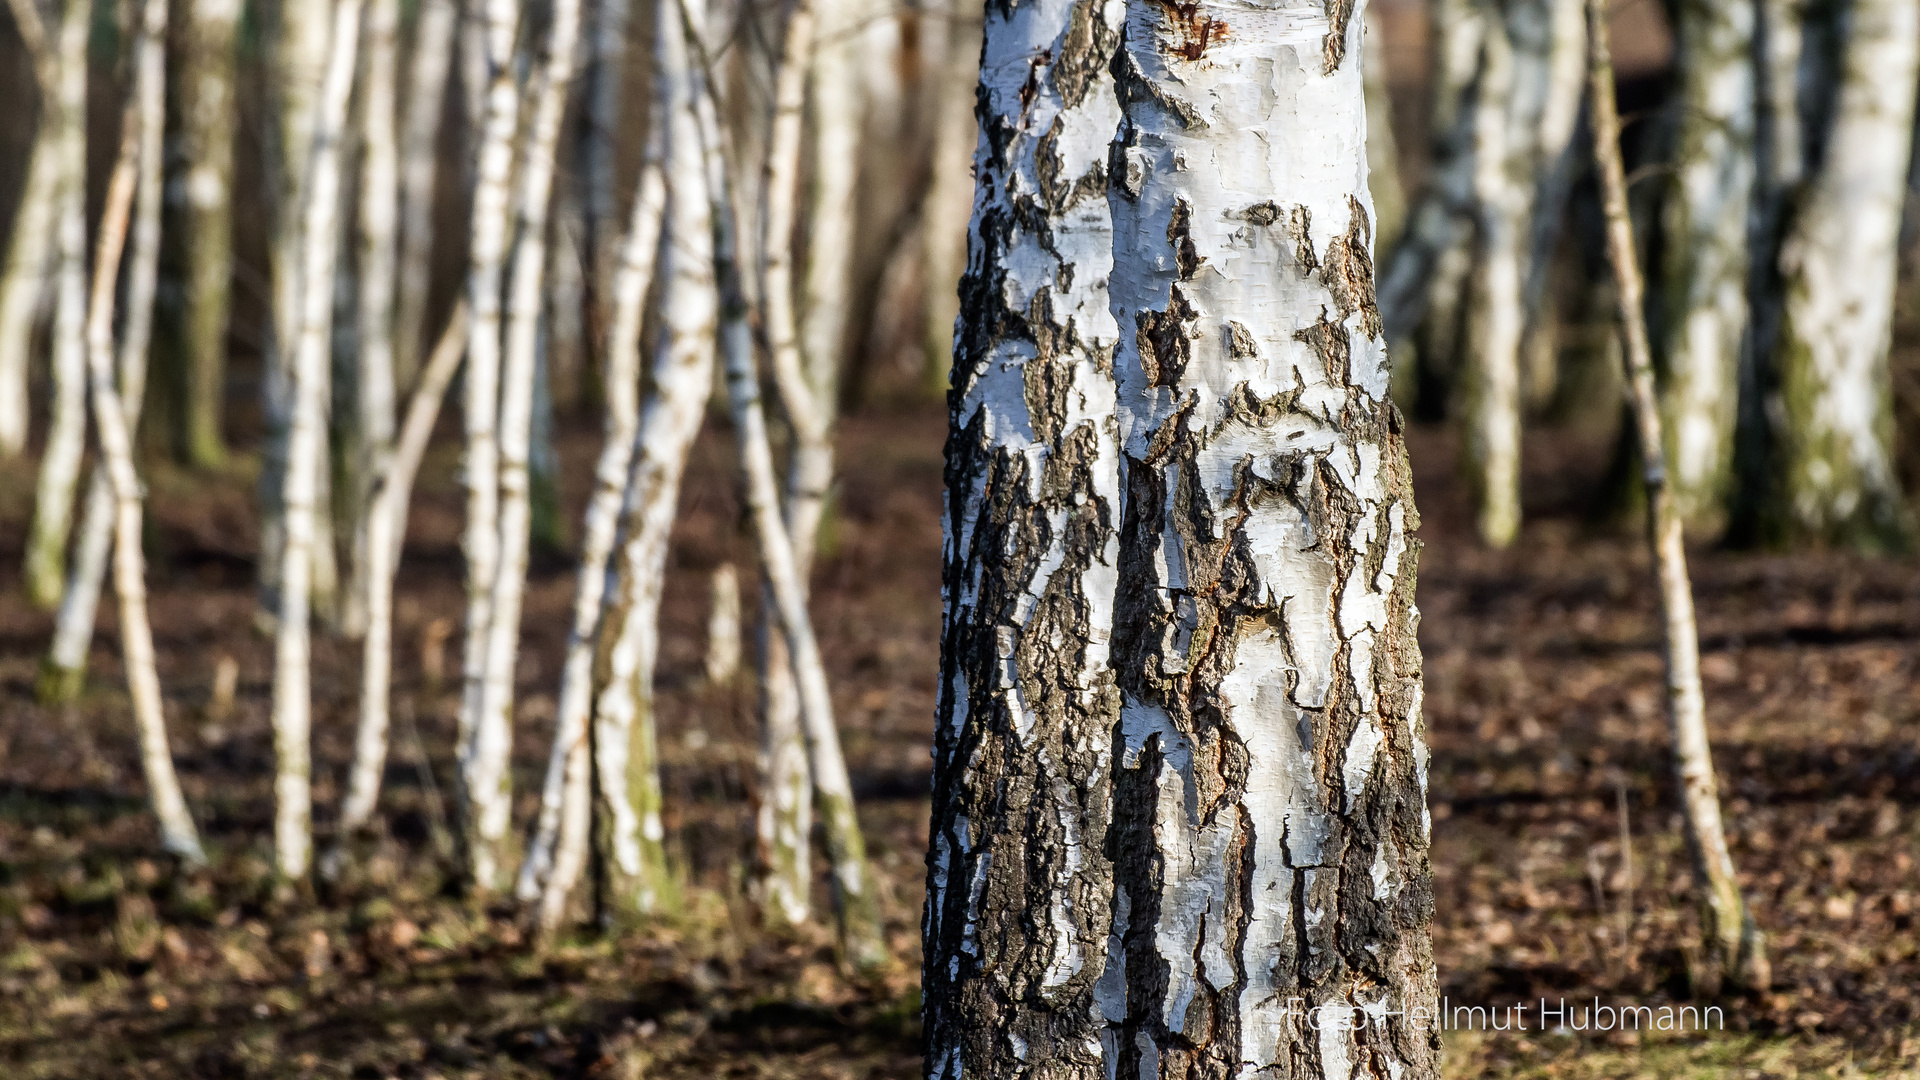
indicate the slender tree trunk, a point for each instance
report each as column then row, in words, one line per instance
column 1494, row 321
column 1835, row 475
column 625, row 754
column 209, row 115
column 177, row 832
column 943, row 220
column 784, row 821
column 46, row 556
column 24, row 281
column 1704, row 269
column 64, row 670
column 1028, row 705
column 1383, row 150
column 428, row 66
column 311, row 347
column 480, row 785
column 838, row 107
column 557, row 850
column 1262, row 613
column 386, row 535
column 1730, row 930
column 857, row 906
column 604, row 100
column 723, row 626
column 379, row 200
column 493, row 744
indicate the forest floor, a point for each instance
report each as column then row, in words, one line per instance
column 1559, row 871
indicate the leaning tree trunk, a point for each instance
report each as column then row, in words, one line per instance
column 624, row 746
column 557, row 849
column 1835, row 475
column 46, row 556
column 1704, row 269
column 481, row 786
column 428, row 66
column 24, row 279
column 64, row 670
column 208, row 117
column 177, row 832
column 490, row 836
column 311, row 347
column 1261, row 793
column 1732, row 936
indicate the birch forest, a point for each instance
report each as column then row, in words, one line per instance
column 845, row 539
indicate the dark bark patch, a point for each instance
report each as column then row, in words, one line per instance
column 1191, row 29
column 1329, row 341
column 1300, row 228
column 1086, row 48
column 1349, row 269
column 1262, row 214
column 1240, row 343
column 1164, row 340
column 1334, row 49
column 1186, row 256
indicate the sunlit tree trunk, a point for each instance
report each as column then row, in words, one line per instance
column 1491, row 373
column 65, row 667
column 379, row 199
column 490, row 837
column 1383, row 150
column 943, row 221
column 1020, row 875
column 1704, row 269
column 427, row 65
column 557, row 850
column 1834, row 404
column 177, row 832
column 46, row 555
column 209, row 115
column 624, row 744
column 723, row 626
column 1732, row 937
column 24, row 280
column 311, row 347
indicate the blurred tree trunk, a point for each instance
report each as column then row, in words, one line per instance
column 605, row 98
column 1490, row 389
column 64, row 670
column 23, row 283
column 428, row 65
column 1383, row 150
column 955, row 47
column 1834, row 480
column 315, row 244
column 1704, row 273
column 626, row 757
column 208, row 117
column 46, row 555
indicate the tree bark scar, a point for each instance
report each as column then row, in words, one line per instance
column 1348, row 273
column 1192, row 29
column 1165, row 340
column 1300, row 230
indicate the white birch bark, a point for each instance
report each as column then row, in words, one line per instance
column 177, row 832
column 837, row 109
column 723, row 626
column 1027, row 704
column 428, row 66
column 783, row 823
column 386, row 535
column 1494, row 321
column 65, row 666
column 857, row 907
column 1704, row 271
column 311, row 348
column 24, row 280
column 46, row 553
column 481, row 539
column 605, row 98
column 379, row 199
column 557, row 851
column 1732, row 937
column 490, row 770
column 624, row 745
column 208, row 112
column 1838, row 262
column 1270, row 792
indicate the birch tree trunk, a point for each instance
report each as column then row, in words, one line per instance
column 1838, row 263
column 1383, row 149
column 857, row 906
column 311, row 347
column 1732, row 937
column 379, row 199
column 386, row 535
column 46, row 555
column 1260, row 620
column 943, row 221
column 783, row 824
column 24, row 279
column 493, row 743
column 480, row 786
column 605, row 97
column 208, row 117
column 1491, row 413
column 65, row 668
column 624, row 746
column 428, row 66
column 177, row 832
column 557, row 850
column 1704, row 270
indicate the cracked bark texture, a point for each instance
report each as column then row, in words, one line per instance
column 1019, row 881
column 1248, row 841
